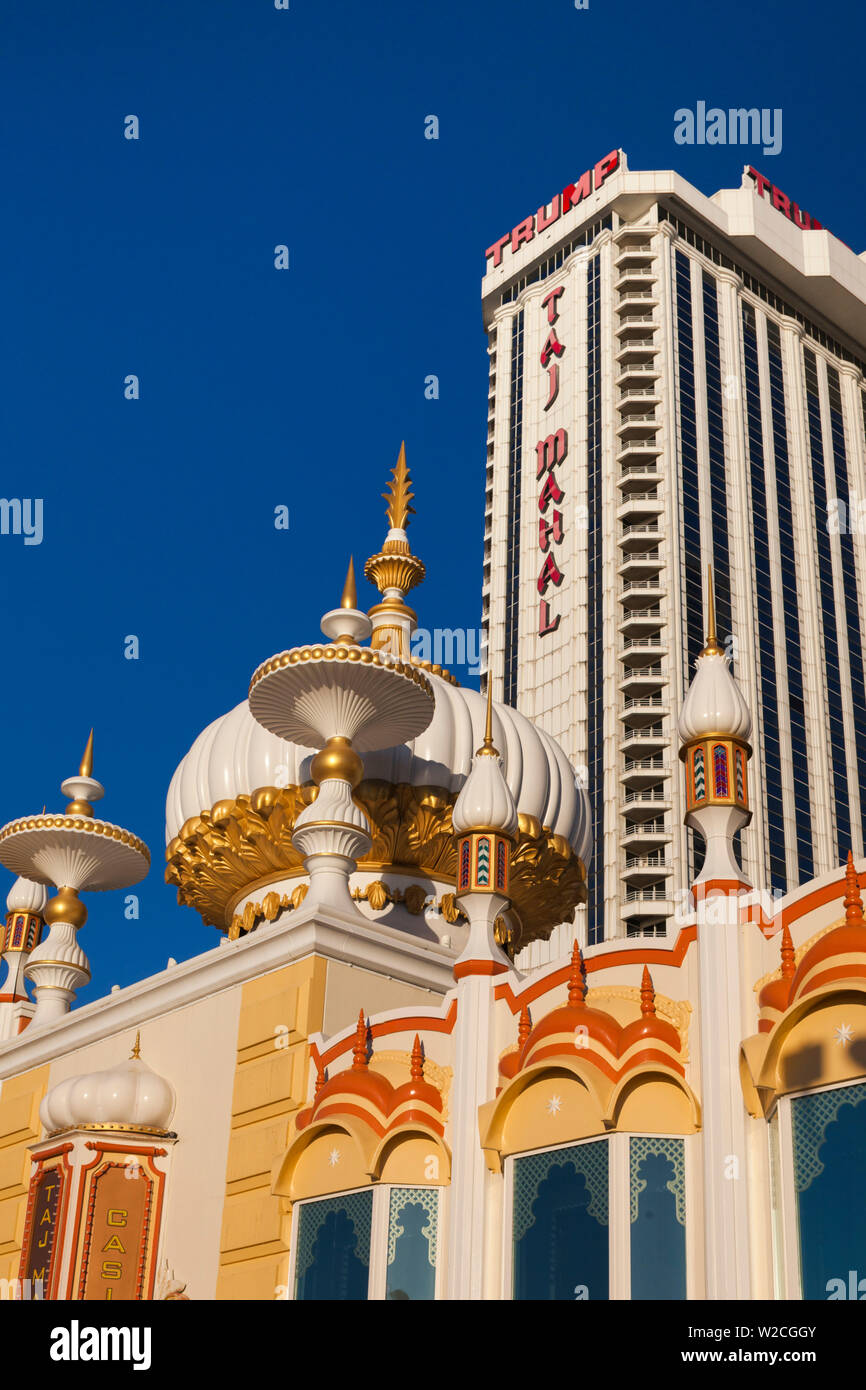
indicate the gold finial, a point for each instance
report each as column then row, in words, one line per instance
column 399, row 494
column 488, row 749
column 136, row 1050
column 86, row 767
column 395, row 570
column 711, row 647
column 350, row 591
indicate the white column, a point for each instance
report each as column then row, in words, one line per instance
column 725, row 1156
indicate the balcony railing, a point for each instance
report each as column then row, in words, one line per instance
column 648, row 731
column 651, row 794
column 646, row 895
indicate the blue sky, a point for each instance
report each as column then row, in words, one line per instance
column 262, row 388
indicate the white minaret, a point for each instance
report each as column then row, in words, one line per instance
column 485, row 823
column 714, row 726
column 73, row 851
column 343, row 699
column 25, row 920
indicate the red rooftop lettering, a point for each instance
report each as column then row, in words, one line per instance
column 782, row 203
column 589, row 182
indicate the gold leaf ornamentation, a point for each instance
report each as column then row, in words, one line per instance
column 219, row 855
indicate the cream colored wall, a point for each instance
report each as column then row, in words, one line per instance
column 195, row 1049
column 348, row 990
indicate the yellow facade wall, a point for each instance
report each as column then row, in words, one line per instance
column 19, row 1126
column 278, row 1014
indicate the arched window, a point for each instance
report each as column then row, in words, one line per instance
column 560, row 1233
column 333, row 1248
column 333, row 1259
column 720, row 770
column 829, row 1140
column 658, row 1217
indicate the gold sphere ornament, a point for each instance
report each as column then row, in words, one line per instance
column 337, row 759
column 66, row 906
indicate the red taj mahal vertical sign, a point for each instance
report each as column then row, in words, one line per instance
column 550, row 452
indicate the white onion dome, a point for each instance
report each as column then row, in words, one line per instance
column 714, row 704
column 235, row 756
column 485, row 801
column 129, row 1096
column 27, row 896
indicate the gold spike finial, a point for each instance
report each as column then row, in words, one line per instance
column 86, row 767
column 488, row 747
column 711, row 647
column 136, row 1050
column 349, row 597
column 399, row 495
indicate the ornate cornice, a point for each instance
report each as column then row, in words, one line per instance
column 220, row 855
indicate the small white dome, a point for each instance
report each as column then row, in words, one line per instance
column 235, row 755
column 129, row 1094
column 27, row 896
column 485, row 801
column 714, row 703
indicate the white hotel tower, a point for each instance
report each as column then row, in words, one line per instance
column 677, row 382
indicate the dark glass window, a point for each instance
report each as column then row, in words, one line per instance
column 849, row 581
column 828, row 606
column 512, row 538
column 595, row 599
column 764, row 609
column 790, row 607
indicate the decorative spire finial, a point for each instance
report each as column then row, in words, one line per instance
column 86, row 767
column 711, row 647
column 320, row 1077
column 524, row 1027
column 647, row 993
column 399, row 495
column 488, row 749
column 416, row 1066
column 576, row 981
column 349, row 598
column 853, row 901
column 359, row 1051
column 789, row 965
column 136, row 1047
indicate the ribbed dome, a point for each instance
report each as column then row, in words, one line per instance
column 27, row 896
column 235, row 755
column 129, row 1095
column 714, row 703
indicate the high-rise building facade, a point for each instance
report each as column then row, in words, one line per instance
column 677, row 382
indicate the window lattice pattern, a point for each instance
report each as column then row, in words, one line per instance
column 812, row 1116
column 644, row 1146
column 590, row 1160
column 357, row 1206
column 426, row 1197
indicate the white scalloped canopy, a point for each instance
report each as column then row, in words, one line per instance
column 235, row 755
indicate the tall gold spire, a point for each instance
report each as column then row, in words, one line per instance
column 711, row 647
column 395, row 570
column 136, row 1049
column 350, row 592
column 487, row 749
column 399, row 495
column 86, row 767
